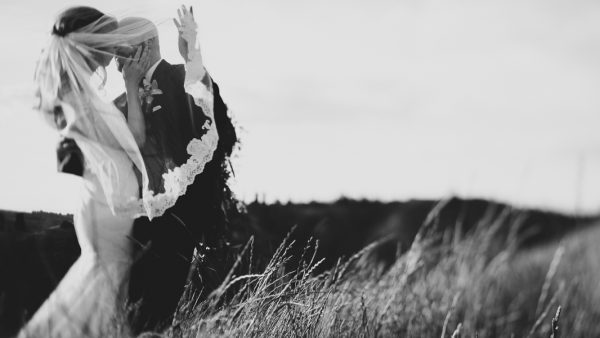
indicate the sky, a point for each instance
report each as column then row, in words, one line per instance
column 380, row 99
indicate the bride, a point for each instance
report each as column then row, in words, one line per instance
column 116, row 184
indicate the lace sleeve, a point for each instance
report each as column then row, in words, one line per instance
column 198, row 85
column 197, row 82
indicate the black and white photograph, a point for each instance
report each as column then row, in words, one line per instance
column 228, row 168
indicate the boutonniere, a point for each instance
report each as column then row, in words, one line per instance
column 149, row 90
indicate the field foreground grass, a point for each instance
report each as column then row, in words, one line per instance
column 446, row 285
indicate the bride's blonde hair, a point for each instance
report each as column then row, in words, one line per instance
column 53, row 76
column 82, row 43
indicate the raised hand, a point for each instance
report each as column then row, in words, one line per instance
column 187, row 28
column 135, row 67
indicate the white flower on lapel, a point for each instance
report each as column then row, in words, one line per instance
column 148, row 90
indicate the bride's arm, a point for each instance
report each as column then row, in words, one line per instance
column 197, row 83
column 133, row 72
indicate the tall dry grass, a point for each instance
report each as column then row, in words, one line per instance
column 478, row 285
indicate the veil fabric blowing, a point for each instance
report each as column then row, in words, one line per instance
column 69, row 89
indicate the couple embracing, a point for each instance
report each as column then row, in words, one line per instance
column 153, row 167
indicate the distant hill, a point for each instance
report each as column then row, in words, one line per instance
column 31, row 222
column 346, row 226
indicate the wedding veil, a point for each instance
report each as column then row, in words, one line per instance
column 70, row 76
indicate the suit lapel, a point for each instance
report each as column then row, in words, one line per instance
column 162, row 66
column 159, row 76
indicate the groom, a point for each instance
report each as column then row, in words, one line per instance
column 198, row 219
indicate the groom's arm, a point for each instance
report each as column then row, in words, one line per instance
column 227, row 134
column 225, row 128
column 69, row 157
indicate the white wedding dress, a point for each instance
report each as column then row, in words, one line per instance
column 89, row 300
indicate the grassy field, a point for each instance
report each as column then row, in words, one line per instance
column 476, row 284
column 458, row 269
